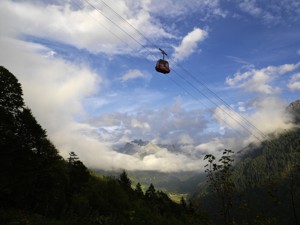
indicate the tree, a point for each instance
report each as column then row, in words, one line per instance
column 31, row 132
column 10, row 92
column 78, row 173
column 124, row 180
column 183, row 203
column 31, row 171
column 138, row 189
column 219, row 175
column 78, row 180
column 150, row 192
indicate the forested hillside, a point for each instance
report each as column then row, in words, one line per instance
column 38, row 186
column 260, row 186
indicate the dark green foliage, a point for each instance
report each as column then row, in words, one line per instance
column 124, row 180
column 294, row 109
column 266, row 183
column 219, row 176
column 32, row 173
column 138, row 189
column 37, row 186
column 151, row 192
column 11, row 99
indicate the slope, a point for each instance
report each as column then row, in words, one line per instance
column 265, row 184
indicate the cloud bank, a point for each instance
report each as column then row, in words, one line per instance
column 63, row 94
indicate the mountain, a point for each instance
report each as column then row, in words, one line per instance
column 294, row 109
column 184, row 182
column 262, row 185
column 143, row 148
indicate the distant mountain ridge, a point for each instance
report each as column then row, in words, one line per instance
column 182, row 182
column 294, row 109
column 138, row 145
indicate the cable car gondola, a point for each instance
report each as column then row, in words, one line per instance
column 162, row 65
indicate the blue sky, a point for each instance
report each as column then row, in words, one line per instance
column 87, row 72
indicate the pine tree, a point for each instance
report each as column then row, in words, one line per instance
column 138, row 189
column 10, row 92
column 124, row 180
column 151, row 192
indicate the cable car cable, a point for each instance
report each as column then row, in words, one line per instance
column 211, row 110
column 114, row 23
column 247, row 122
column 224, row 111
column 102, row 25
column 122, row 18
column 203, row 84
column 143, row 46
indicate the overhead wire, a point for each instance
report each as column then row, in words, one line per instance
column 248, row 126
column 220, row 108
column 126, row 21
column 212, row 111
column 99, row 11
column 247, row 122
column 230, row 109
column 244, row 123
column 177, row 72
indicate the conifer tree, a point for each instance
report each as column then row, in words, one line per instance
column 138, row 189
column 124, row 180
column 150, row 192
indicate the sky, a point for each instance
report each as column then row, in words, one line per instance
column 87, row 72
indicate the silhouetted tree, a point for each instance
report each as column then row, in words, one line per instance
column 10, row 92
column 183, row 203
column 219, row 175
column 78, row 172
column 124, row 180
column 150, row 192
column 138, row 189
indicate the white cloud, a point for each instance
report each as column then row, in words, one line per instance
column 212, row 147
column 96, row 28
column 227, row 117
column 135, row 74
column 274, row 12
column 294, row 82
column 260, row 80
column 269, row 116
column 53, row 88
column 58, row 91
column 174, row 8
column 250, row 7
column 189, row 44
column 168, row 124
column 139, row 124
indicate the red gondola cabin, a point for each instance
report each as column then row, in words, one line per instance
column 162, row 66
